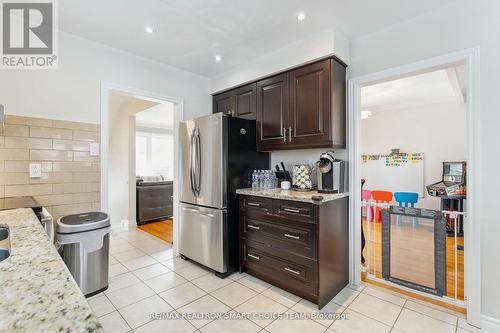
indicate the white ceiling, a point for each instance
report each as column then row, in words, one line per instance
column 189, row 33
column 158, row 116
column 441, row 86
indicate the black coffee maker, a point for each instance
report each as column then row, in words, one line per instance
column 331, row 174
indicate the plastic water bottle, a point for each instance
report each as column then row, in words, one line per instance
column 270, row 180
column 255, row 181
column 258, row 179
column 274, row 180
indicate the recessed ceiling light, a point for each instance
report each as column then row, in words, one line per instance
column 218, row 58
column 301, row 16
column 149, row 29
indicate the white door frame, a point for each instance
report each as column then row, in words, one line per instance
column 472, row 262
column 178, row 117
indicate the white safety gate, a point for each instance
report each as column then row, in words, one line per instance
column 373, row 252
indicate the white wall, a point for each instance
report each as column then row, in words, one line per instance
column 72, row 92
column 305, row 50
column 461, row 24
column 414, row 130
column 302, row 156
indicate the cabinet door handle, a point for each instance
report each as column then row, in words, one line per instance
column 253, row 204
column 292, row 271
column 290, row 134
column 292, row 236
column 290, row 210
column 253, row 256
column 254, row 227
column 284, row 134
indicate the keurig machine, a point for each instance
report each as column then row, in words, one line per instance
column 331, row 174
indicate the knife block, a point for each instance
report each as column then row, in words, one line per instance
column 282, row 176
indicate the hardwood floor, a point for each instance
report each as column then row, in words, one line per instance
column 417, row 264
column 161, row 229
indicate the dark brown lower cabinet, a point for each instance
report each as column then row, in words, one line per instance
column 297, row 246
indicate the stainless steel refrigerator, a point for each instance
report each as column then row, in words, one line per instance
column 218, row 154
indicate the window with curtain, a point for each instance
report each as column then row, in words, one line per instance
column 154, row 155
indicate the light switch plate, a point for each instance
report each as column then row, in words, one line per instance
column 94, row 149
column 35, row 170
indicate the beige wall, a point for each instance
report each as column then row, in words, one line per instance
column 70, row 181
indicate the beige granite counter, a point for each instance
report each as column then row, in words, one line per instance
column 37, row 292
column 311, row 196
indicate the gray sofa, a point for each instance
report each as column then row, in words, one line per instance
column 154, row 200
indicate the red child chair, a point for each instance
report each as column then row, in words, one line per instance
column 381, row 197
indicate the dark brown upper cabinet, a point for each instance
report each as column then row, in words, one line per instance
column 239, row 102
column 302, row 108
column 223, row 103
column 272, row 111
column 310, row 108
column 315, row 114
column 245, row 101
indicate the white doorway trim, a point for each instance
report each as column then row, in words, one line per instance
column 178, row 117
column 472, row 262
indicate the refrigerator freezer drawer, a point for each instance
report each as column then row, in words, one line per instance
column 202, row 236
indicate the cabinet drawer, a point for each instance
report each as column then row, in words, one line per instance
column 295, row 210
column 296, row 272
column 264, row 205
column 297, row 238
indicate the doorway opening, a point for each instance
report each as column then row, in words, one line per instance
column 404, row 165
column 139, row 171
column 154, row 171
column 413, row 178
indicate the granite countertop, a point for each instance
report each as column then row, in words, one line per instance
column 37, row 292
column 293, row 195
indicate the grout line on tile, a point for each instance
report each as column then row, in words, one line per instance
column 369, row 316
column 188, row 302
column 399, row 314
column 424, row 314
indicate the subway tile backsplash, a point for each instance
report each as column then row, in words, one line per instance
column 70, row 181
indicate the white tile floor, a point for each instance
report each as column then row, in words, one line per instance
column 146, row 278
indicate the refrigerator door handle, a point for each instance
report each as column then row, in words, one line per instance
column 197, row 172
column 191, row 158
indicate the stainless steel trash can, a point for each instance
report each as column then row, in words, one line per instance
column 83, row 241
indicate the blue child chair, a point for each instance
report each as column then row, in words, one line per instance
column 406, row 199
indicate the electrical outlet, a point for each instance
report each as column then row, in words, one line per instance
column 94, row 149
column 35, row 170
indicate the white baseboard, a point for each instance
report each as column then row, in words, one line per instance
column 490, row 324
